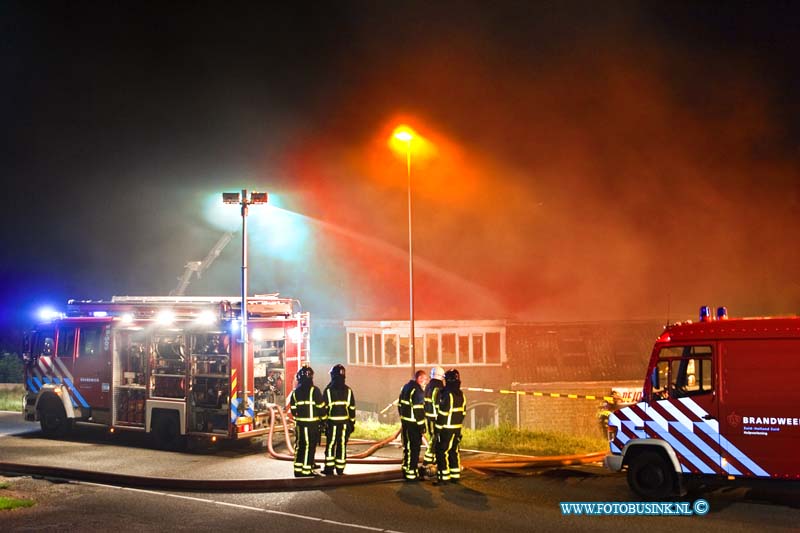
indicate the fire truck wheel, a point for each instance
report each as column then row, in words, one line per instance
column 651, row 476
column 167, row 431
column 53, row 419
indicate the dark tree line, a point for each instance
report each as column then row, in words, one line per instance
column 10, row 368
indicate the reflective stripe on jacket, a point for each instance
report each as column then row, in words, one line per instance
column 340, row 403
column 411, row 403
column 307, row 404
column 432, row 392
column 451, row 409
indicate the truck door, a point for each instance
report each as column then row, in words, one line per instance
column 685, row 410
column 59, row 369
column 92, row 365
column 759, row 406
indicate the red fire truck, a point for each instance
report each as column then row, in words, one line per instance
column 721, row 398
column 170, row 366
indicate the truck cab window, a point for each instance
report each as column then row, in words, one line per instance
column 684, row 371
column 66, row 342
column 89, row 343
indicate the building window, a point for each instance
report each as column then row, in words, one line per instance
column 448, row 348
column 463, row 349
column 493, row 348
column 390, row 349
column 352, row 352
column 432, row 348
column 405, row 352
column 477, row 349
column 368, row 349
column 448, row 344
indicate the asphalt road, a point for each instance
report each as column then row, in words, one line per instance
column 479, row 503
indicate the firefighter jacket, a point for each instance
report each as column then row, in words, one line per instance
column 341, row 404
column 411, row 404
column 307, row 404
column 432, row 391
column 451, row 408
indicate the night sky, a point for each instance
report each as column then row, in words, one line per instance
column 593, row 160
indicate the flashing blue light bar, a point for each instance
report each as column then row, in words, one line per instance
column 705, row 313
column 47, row 314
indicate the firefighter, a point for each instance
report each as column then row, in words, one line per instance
column 449, row 420
column 308, row 410
column 435, row 385
column 411, row 406
column 341, row 410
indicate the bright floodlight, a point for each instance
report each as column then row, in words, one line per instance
column 258, row 197
column 206, row 318
column 165, row 317
column 403, row 135
column 231, row 197
column 126, row 318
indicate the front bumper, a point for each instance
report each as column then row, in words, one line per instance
column 613, row 462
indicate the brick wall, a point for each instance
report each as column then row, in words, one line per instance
column 566, row 415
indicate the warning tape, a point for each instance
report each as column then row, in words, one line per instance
column 530, row 393
column 545, row 394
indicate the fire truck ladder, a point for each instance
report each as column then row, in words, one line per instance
column 200, row 266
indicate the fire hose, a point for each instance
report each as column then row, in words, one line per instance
column 359, row 458
column 494, row 465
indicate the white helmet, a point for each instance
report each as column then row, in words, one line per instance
column 437, row 372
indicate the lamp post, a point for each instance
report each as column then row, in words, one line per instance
column 403, row 134
column 236, row 198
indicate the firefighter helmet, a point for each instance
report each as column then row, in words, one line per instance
column 452, row 376
column 337, row 371
column 437, row 372
column 305, row 373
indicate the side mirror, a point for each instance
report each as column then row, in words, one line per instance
column 25, row 355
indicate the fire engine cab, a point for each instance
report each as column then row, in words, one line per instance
column 721, row 398
column 169, row 366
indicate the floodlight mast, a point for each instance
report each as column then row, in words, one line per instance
column 236, row 198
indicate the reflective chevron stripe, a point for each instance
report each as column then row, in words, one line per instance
column 689, row 430
column 51, row 370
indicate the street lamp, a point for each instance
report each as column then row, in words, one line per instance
column 236, row 198
column 404, row 134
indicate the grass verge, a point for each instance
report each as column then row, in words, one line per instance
column 11, row 399
column 14, row 503
column 503, row 439
column 374, row 430
column 507, row 439
column 7, row 502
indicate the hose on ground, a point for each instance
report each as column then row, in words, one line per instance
column 358, row 458
column 483, row 466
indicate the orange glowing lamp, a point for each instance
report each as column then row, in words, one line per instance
column 403, row 135
column 400, row 141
